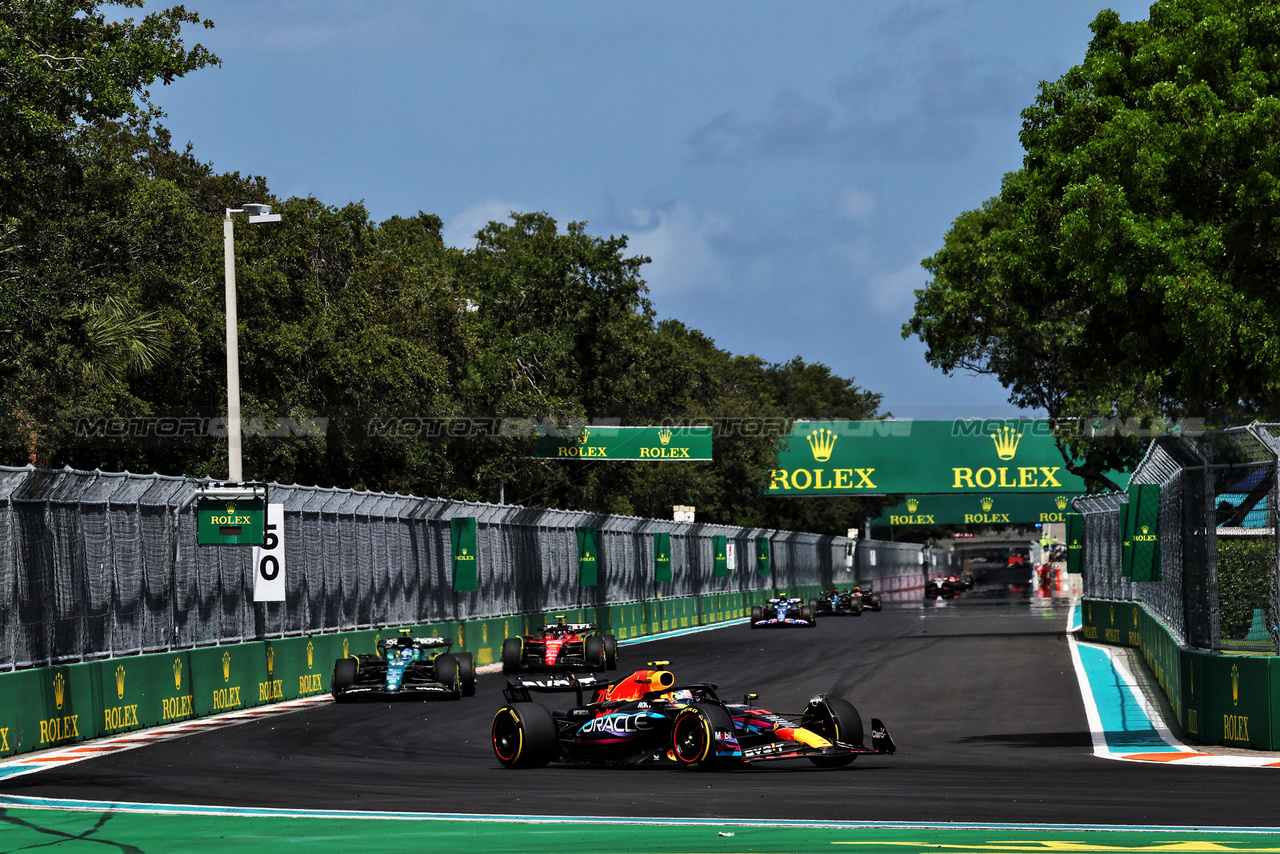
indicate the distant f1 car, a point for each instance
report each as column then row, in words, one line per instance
column 848, row 603
column 782, row 612
column 647, row 718
column 405, row 666
column 871, row 600
column 561, row 646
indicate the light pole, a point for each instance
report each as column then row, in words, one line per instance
column 257, row 213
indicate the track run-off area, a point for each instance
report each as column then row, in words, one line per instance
column 1004, row 727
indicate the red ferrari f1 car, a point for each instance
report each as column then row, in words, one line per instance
column 561, row 646
column 647, row 718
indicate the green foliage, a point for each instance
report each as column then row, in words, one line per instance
column 1127, row 269
column 112, row 307
column 1246, row 581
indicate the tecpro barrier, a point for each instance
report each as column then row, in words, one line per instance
column 55, row 706
column 1229, row 700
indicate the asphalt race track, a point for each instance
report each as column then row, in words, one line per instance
column 978, row 692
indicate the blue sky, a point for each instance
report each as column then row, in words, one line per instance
column 785, row 165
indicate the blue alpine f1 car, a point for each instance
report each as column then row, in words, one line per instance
column 782, row 612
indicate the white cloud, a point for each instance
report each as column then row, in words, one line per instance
column 460, row 231
column 680, row 242
column 894, row 290
column 856, row 204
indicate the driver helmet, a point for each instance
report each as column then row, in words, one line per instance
column 684, row 695
column 406, row 653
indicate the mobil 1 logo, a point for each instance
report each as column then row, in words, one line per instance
column 268, row 559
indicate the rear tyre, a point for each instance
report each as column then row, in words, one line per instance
column 524, row 736
column 757, row 614
column 512, row 655
column 467, row 673
column 593, row 652
column 610, row 652
column 834, row 720
column 693, row 735
column 344, row 676
column 813, row 605
column 447, row 674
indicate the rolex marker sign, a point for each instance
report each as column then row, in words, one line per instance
column 935, row 457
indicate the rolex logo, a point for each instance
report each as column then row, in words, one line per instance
column 1061, row 501
column 271, row 659
column 1006, row 442
column 582, row 440
column 226, row 667
column 177, row 674
column 664, row 436
column 120, row 681
column 822, row 441
column 987, row 504
column 231, row 508
column 1145, row 528
column 311, row 651
column 912, row 505
column 59, row 687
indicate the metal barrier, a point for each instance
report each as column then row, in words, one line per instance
column 1218, row 548
column 96, row 565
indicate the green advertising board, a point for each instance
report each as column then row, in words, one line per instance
column 976, row 508
column 645, row 444
column 1075, row 543
column 764, row 556
column 588, row 558
column 1144, row 534
column 661, row 556
column 720, row 545
column 913, row 457
column 228, row 522
column 1126, row 540
column 466, row 557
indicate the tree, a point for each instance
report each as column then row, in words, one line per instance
column 73, row 325
column 1126, row 272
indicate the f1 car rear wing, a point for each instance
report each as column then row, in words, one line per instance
column 577, row 628
column 518, row 687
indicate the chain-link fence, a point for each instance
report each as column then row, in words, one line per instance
column 96, row 564
column 1218, row 586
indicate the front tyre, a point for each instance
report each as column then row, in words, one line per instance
column 512, row 655
column 467, row 673
column 835, row 720
column 448, row 675
column 593, row 652
column 757, row 614
column 610, row 652
column 524, row 736
column 806, row 614
column 693, row 735
column 344, row 676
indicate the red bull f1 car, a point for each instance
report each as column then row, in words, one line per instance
column 405, row 666
column 648, row 718
column 782, row 612
column 561, row 646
